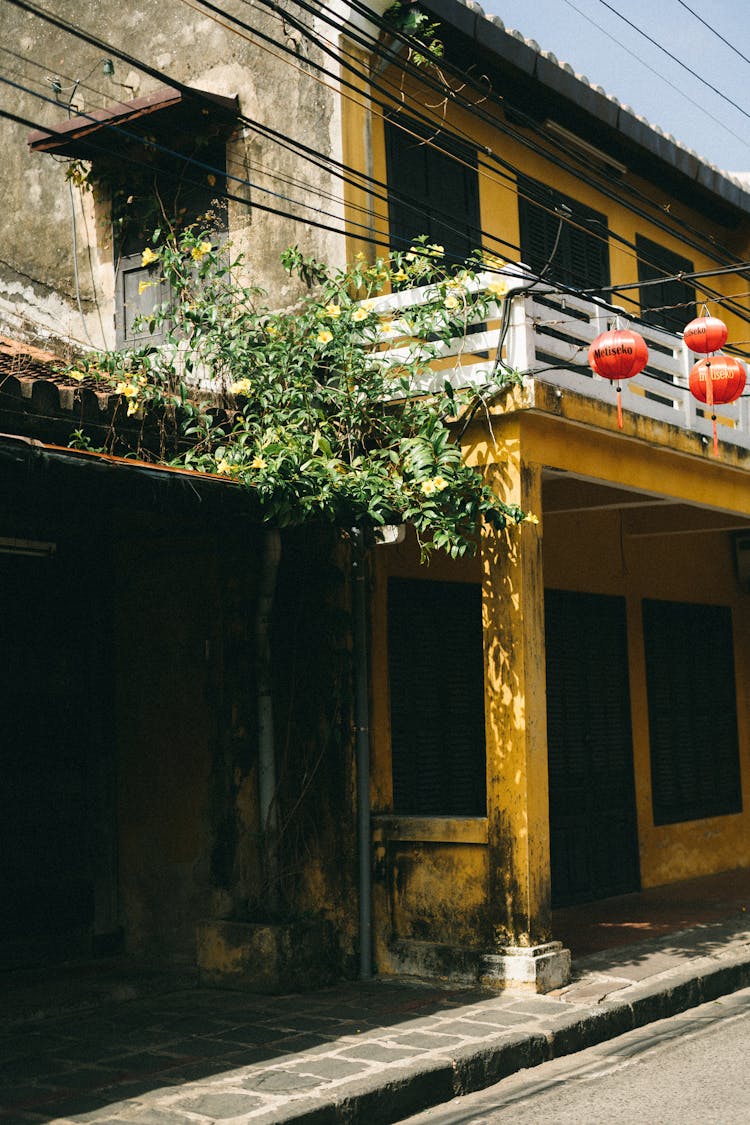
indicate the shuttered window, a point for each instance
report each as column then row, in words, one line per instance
column 692, row 711
column 433, row 189
column 437, row 698
column 655, row 263
column 562, row 237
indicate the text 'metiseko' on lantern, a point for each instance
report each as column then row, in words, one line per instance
column 617, row 355
column 717, row 379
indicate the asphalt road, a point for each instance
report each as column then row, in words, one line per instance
column 692, row 1069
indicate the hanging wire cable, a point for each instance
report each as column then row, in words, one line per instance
column 661, row 77
column 674, row 59
column 109, row 50
column 712, row 29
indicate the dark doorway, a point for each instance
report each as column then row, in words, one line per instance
column 49, row 796
column 593, row 827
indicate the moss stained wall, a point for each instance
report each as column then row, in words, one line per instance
column 37, row 291
column 187, row 739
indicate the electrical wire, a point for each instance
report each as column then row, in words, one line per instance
column 109, row 50
column 679, row 62
column 713, row 31
column 662, row 78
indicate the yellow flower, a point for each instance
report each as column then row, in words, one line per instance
column 143, row 286
column 148, row 257
column 436, row 250
column 360, row 314
column 451, row 301
column 360, row 256
column 200, row 251
column 77, row 375
column 224, row 467
column 211, row 179
column 498, row 289
column 530, row 518
column 324, row 336
column 398, row 275
column 455, row 283
column 435, row 484
column 132, row 406
column 272, row 329
column 240, row 387
column 126, row 389
column 257, row 463
column 332, row 310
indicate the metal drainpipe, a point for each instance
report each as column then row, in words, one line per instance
column 362, row 749
column 266, row 746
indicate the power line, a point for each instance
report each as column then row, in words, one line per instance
column 713, row 31
column 657, row 74
column 107, row 48
column 674, row 59
column 72, row 29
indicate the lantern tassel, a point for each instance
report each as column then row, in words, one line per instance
column 619, row 408
column 710, row 403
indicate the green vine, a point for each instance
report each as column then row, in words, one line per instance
column 321, row 412
column 407, row 18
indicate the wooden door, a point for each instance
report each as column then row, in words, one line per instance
column 593, row 828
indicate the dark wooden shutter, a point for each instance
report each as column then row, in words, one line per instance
column 576, row 253
column 692, row 711
column 654, row 264
column 437, row 698
column 433, row 189
column 593, row 832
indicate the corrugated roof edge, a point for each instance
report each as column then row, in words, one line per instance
column 512, row 47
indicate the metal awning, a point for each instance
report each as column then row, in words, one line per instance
column 165, row 111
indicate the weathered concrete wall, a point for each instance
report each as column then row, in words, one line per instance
column 186, row 731
column 37, row 286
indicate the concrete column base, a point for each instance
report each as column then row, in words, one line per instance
column 535, row 968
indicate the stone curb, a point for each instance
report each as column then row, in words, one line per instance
column 385, row 1099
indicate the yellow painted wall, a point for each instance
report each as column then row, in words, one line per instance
column 364, row 148
column 590, row 553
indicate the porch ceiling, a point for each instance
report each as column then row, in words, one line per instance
column 643, row 513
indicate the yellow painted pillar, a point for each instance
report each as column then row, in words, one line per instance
column 516, row 739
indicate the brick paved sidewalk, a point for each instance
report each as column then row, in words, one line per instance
column 368, row 1053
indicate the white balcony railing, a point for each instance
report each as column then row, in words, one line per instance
column 548, row 339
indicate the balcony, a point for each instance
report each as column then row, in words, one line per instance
column 547, row 341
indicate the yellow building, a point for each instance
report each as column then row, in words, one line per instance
column 609, row 747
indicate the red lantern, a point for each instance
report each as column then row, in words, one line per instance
column 719, row 379
column 705, row 334
column 617, row 355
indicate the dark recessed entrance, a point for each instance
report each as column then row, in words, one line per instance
column 593, row 828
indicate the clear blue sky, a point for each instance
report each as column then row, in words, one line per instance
column 590, row 36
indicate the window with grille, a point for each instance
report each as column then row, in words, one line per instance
column 562, row 238
column 433, row 189
column 437, row 698
column 167, row 190
column 692, row 711
column 668, row 304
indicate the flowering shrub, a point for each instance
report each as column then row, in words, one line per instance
column 308, row 408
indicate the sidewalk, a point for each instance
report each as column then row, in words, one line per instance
column 361, row 1053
